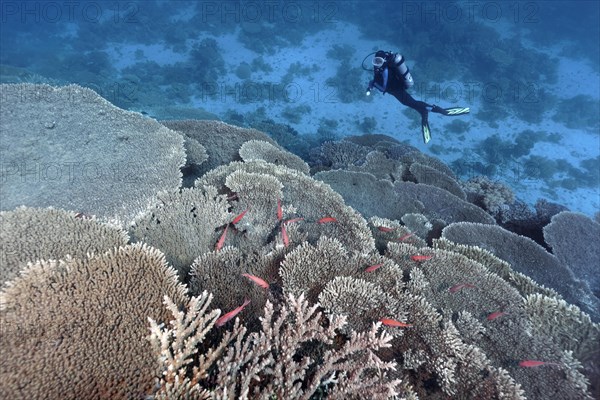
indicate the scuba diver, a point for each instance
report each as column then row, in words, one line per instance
column 391, row 75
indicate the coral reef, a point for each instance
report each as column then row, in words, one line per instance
column 75, row 328
column 261, row 150
column 573, row 238
column 31, row 234
column 527, row 257
column 82, row 153
column 294, row 294
column 183, row 225
column 222, row 141
column 494, row 197
column 280, row 360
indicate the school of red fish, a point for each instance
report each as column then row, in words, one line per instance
column 389, row 322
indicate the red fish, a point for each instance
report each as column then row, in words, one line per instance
column 534, row 363
column 461, row 286
column 291, row 221
column 221, row 241
column 420, row 258
column 495, row 315
column 259, row 281
column 373, row 267
column 385, row 229
column 404, row 237
column 239, row 217
column 284, row 236
column 394, row 323
column 326, row 220
column 279, row 210
column 224, row 318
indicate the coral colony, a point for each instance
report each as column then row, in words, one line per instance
column 267, row 279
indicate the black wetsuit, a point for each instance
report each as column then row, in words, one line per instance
column 396, row 87
column 393, row 76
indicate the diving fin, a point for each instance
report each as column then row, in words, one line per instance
column 456, row 111
column 426, row 131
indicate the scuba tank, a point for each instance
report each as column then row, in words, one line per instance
column 403, row 71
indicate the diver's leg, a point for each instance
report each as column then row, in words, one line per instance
column 421, row 107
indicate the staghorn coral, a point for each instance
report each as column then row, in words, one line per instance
column 183, row 225
column 431, row 176
column 261, row 150
column 306, row 198
column 277, row 361
column 74, row 328
column 526, row 256
column 441, row 205
column 68, row 147
column 573, row 238
column 31, row 234
column 222, row 141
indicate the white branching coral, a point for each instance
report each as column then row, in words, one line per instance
column 279, row 361
column 177, row 346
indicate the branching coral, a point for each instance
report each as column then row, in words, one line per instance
column 277, row 361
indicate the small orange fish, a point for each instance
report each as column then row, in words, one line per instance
column 404, row 237
column 495, row 315
column 534, row 363
column 394, row 323
column 239, row 217
column 373, row 267
column 385, row 229
column 224, row 318
column 221, row 241
column 291, row 221
column 461, row 286
column 326, row 220
column 284, row 236
column 279, row 210
column 259, row 281
column 420, row 258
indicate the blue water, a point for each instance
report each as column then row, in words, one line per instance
column 529, row 71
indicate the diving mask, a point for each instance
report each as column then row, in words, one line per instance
column 378, row 62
